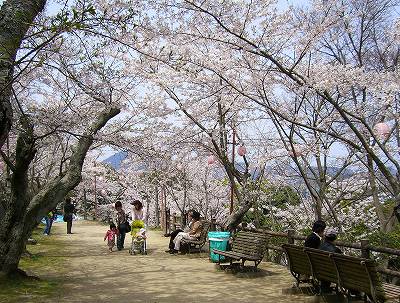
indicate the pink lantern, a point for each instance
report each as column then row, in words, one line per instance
column 382, row 130
column 211, row 160
column 241, row 151
column 103, row 192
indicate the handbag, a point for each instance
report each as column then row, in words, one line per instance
column 124, row 227
column 127, row 227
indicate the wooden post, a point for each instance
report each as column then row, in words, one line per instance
column 213, row 224
column 173, row 222
column 290, row 235
column 95, row 198
column 163, row 211
column 233, row 162
column 157, row 206
column 168, row 225
column 364, row 249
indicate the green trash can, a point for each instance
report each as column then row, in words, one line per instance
column 218, row 240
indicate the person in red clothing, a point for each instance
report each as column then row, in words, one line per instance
column 110, row 236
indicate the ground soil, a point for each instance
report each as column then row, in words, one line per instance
column 92, row 274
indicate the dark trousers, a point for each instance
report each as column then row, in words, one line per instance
column 69, row 226
column 121, row 239
column 173, row 235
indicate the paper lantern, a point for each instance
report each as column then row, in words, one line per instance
column 211, row 160
column 241, row 151
column 382, row 130
column 103, row 192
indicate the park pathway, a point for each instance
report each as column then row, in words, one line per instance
column 92, row 274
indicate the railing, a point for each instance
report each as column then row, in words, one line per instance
column 365, row 248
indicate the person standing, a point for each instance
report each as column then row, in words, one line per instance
column 69, row 210
column 110, row 236
column 121, row 222
column 314, row 239
column 137, row 211
column 49, row 218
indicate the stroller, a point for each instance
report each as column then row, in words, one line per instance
column 138, row 233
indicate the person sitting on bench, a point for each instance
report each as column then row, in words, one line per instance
column 314, row 239
column 176, row 232
column 329, row 245
column 193, row 234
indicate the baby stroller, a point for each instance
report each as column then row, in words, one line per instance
column 138, row 233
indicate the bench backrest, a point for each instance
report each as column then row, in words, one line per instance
column 360, row 274
column 205, row 227
column 322, row 265
column 250, row 243
column 298, row 259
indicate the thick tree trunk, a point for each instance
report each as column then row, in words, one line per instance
column 16, row 16
column 236, row 217
column 23, row 214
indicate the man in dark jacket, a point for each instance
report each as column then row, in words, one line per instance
column 69, row 210
column 314, row 239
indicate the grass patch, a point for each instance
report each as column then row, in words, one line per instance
column 44, row 263
column 22, row 290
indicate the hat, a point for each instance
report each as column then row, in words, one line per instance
column 331, row 232
column 137, row 202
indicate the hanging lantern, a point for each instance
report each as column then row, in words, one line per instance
column 241, row 151
column 211, row 160
column 382, row 130
column 103, row 192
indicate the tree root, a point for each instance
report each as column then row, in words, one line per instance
column 18, row 274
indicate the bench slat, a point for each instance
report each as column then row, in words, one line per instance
column 236, row 255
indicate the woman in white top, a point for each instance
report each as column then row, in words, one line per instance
column 137, row 211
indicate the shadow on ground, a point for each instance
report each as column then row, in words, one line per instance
column 94, row 275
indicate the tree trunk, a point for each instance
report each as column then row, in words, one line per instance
column 236, row 217
column 157, row 206
column 16, row 16
column 23, row 214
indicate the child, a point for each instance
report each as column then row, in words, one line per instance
column 110, row 236
column 138, row 233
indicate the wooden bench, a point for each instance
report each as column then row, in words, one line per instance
column 246, row 246
column 299, row 264
column 199, row 243
column 360, row 274
column 349, row 273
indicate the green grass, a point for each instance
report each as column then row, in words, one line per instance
column 22, row 290
column 43, row 263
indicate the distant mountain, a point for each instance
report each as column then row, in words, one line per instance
column 116, row 159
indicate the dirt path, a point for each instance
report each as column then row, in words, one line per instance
column 95, row 275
